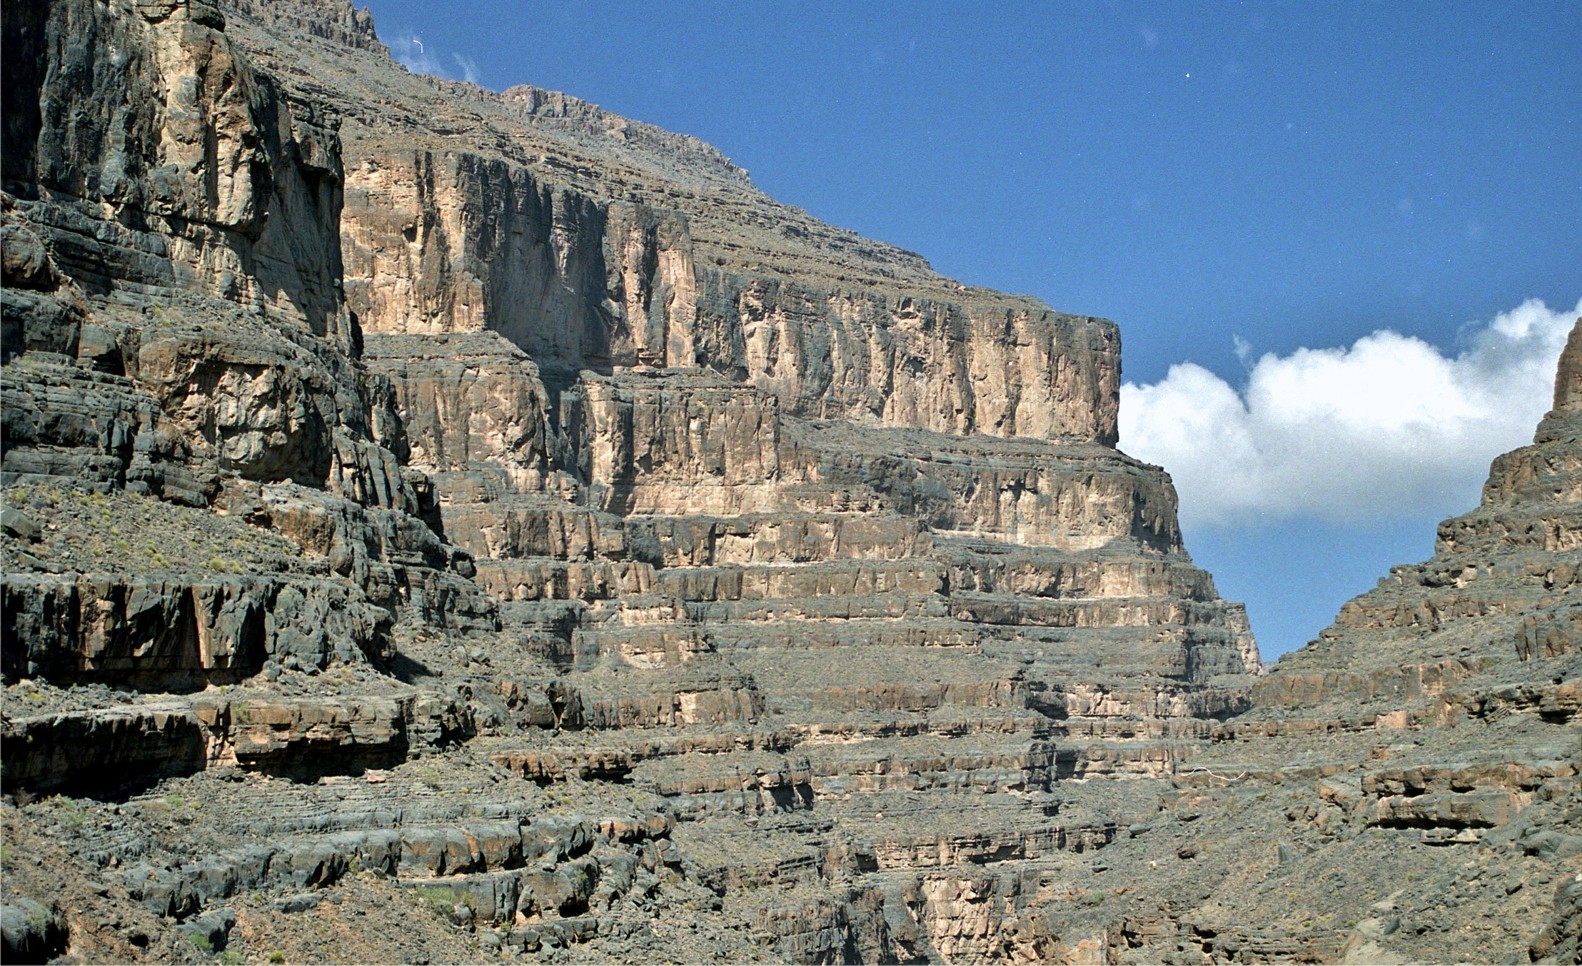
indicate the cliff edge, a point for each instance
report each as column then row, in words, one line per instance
column 461, row 526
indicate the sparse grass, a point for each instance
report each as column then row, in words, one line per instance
column 440, row 899
column 38, row 496
column 428, row 773
column 233, row 957
column 276, row 956
column 70, row 815
column 135, row 533
column 202, row 942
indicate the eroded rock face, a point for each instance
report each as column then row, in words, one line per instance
column 148, row 110
column 1438, row 713
column 578, row 276
column 537, row 541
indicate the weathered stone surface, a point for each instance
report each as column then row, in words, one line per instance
column 234, row 187
column 33, row 933
column 470, row 525
column 157, row 631
column 101, row 752
column 467, row 401
column 579, row 280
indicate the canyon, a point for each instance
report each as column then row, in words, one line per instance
column 452, row 526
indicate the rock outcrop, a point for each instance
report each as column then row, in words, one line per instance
column 469, row 526
column 1418, row 764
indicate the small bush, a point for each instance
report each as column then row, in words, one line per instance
column 70, row 815
column 440, row 899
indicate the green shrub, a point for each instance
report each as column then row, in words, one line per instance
column 440, row 899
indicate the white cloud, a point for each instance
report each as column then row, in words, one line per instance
column 1387, row 426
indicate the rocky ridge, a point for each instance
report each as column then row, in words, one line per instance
column 485, row 514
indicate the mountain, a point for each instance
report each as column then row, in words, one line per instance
column 442, row 525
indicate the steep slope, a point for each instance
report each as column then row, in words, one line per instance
column 453, row 525
column 492, row 506
column 1405, row 788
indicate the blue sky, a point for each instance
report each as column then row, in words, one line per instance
column 1252, row 191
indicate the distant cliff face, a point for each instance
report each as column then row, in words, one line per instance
column 1568, row 381
column 452, row 525
column 620, row 274
column 1501, row 586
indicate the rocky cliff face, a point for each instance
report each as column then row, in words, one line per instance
column 468, row 526
column 615, row 275
column 1407, row 785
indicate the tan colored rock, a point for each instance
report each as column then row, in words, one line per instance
column 466, row 401
column 672, row 428
column 1568, row 377
column 266, row 732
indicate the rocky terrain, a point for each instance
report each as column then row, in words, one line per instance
column 447, row 526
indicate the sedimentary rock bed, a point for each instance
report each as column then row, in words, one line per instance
column 466, row 526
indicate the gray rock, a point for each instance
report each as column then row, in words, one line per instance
column 212, row 930
column 18, row 524
column 32, row 932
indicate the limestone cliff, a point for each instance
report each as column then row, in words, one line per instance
column 174, row 331
column 464, row 526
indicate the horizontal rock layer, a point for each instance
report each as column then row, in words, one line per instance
column 471, row 525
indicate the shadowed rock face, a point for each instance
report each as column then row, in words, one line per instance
column 466, row 525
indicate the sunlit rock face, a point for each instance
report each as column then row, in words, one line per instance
column 450, row 525
column 1439, row 712
column 1500, row 589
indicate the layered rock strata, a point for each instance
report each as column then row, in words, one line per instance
column 1406, row 788
column 466, row 526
